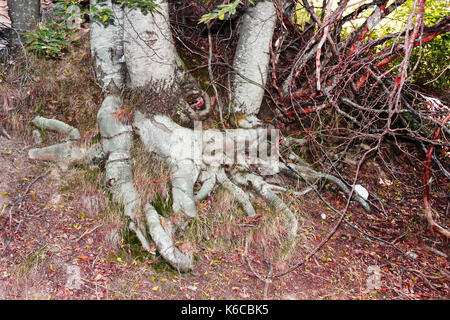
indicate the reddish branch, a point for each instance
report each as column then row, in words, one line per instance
column 426, row 193
column 319, row 48
column 430, row 33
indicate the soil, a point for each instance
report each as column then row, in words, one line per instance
column 53, row 245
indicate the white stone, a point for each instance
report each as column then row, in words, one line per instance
column 363, row 193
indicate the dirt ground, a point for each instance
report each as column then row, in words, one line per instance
column 53, row 245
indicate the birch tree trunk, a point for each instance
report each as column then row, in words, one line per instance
column 251, row 61
column 150, row 53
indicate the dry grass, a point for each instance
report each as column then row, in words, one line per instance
column 151, row 176
column 30, row 276
column 216, row 226
column 63, row 89
column 269, row 241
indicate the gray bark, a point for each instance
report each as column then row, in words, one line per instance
column 150, row 52
column 252, row 57
column 24, row 14
column 107, row 49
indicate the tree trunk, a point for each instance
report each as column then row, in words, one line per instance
column 150, row 53
column 24, row 14
column 251, row 61
column 107, row 49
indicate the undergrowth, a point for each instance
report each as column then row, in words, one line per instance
column 62, row 88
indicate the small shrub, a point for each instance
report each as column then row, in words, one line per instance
column 48, row 41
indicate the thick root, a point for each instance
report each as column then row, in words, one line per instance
column 116, row 144
column 183, row 188
column 277, row 205
column 164, row 242
column 174, row 144
column 240, row 195
column 58, row 126
column 208, row 179
column 65, row 154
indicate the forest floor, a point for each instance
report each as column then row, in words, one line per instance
column 56, row 226
column 52, row 246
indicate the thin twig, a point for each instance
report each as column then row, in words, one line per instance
column 87, row 232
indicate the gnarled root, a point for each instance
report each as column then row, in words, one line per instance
column 58, row 126
column 176, row 146
column 277, row 205
column 240, row 195
column 309, row 175
column 67, row 153
column 163, row 241
column 117, row 143
column 208, row 180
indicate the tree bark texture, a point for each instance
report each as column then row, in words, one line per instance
column 24, row 14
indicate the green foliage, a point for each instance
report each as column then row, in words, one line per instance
column 103, row 16
column 48, row 41
column 163, row 205
column 67, row 3
column 433, row 65
column 221, row 11
column 72, row 9
column 302, row 16
column 436, row 53
column 146, row 6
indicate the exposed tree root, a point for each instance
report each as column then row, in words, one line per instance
column 67, row 153
column 240, row 195
column 310, row 176
column 144, row 44
column 264, row 190
column 158, row 134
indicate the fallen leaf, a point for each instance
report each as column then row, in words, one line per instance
column 99, row 277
